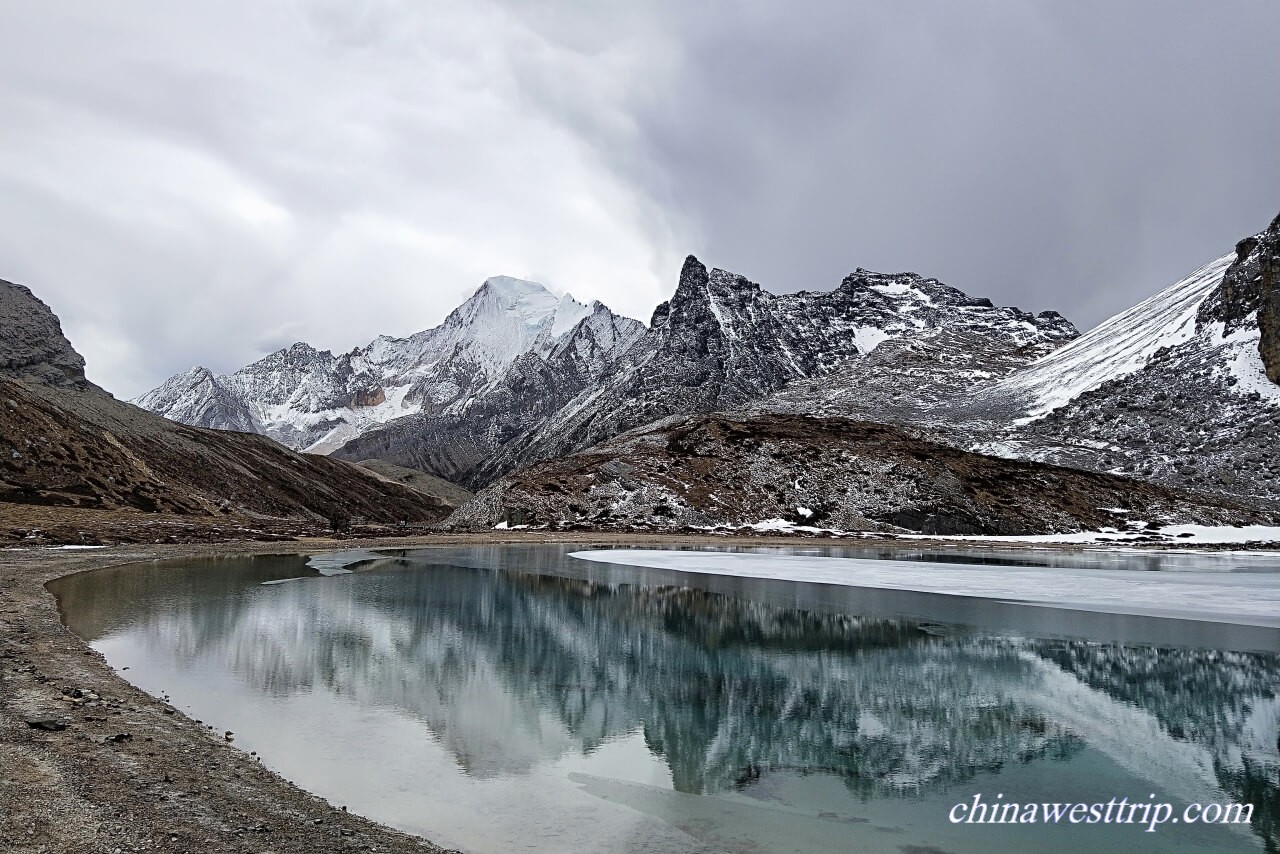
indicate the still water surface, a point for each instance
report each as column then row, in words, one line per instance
column 515, row 699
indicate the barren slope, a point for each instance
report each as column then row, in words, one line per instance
column 718, row 469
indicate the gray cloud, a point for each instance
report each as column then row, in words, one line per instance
column 201, row 183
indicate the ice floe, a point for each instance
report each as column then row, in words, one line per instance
column 1243, row 598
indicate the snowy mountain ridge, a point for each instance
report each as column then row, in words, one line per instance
column 1182, row 389
column 1118, row 347
column 721, row 342
column 312, row 400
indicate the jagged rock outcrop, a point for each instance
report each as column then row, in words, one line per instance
column 33, row 348
column 1268, row 253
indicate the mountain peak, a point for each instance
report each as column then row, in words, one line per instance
column 510, row 286
column 691, row 287
column 531, row 302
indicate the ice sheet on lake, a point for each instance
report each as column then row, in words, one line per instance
column 1243, row 598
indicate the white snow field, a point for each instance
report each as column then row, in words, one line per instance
column 1116, row 348
column 1241, row 598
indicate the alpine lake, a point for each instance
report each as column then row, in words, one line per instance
column 515, row 698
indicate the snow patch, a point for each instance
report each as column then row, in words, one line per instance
column 569, row 313
column 867, row 338
column 892, row 289
column 1214, row 534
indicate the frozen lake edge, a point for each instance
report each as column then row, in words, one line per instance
column 1244, row 599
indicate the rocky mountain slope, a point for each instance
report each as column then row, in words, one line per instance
column 713, row 470
column 65, row 442
column 310, row 399
column 721, row 342
column 1179, row 389
column 419, row 481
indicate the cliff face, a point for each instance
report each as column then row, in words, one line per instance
column 1269, row 309
column 33, row 348
column 1250, row 293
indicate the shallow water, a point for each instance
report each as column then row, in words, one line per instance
column 513, row 698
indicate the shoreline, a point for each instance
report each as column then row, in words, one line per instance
column 172, row 785
column 129, row 772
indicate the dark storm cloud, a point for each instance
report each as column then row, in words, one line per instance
column 1077, row 156
column 201, row 183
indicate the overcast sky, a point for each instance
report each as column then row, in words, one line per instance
column 205, row 182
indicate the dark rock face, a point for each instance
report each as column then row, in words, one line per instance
column 1269, row 310
column 32, row 346
column 1251, row 288
column 368, row 397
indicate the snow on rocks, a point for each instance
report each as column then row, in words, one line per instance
column 312, row 400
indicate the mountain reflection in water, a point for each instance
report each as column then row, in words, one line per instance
column 513, row 670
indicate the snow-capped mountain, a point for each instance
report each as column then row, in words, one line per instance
column 1182, row 388
column 721, row 342
column 67, row 446
column 312, row 400
column 725, row 343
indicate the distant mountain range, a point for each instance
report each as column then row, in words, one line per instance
column 891, row 403
column 516, row 375
column 1181, row 389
